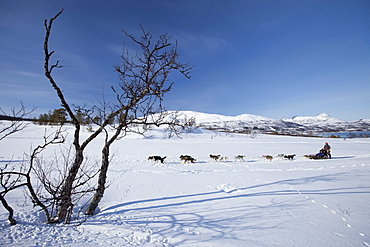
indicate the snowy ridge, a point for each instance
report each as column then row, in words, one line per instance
column 246, row 123
column 207, row 117
column 321, row 118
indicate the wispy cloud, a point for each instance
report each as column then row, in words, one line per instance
column 200, row 42
column 25, row 73
column 114, row 48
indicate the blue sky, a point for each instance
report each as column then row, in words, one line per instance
column 273, row 58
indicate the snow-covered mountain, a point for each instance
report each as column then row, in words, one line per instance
column 247, row 123
column 322, row 118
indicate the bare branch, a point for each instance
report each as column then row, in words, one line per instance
column 16, row 122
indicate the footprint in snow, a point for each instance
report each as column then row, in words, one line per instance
column 342, row 218
column 338, row 234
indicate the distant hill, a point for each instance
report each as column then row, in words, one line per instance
column 247, row 123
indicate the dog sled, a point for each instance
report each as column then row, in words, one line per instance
column 322, row 154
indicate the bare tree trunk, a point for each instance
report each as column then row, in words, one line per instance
column 99, row 193
column 10, row 210
column 37, row 201
column 66, row 204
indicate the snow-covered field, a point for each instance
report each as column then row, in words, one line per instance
column 253, row 203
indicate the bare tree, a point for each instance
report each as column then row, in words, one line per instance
column 65, row 195
column 144, row 80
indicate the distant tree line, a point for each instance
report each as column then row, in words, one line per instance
column 60, row 117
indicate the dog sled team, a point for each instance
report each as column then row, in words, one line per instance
column 217, row 158
column 324, row 153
